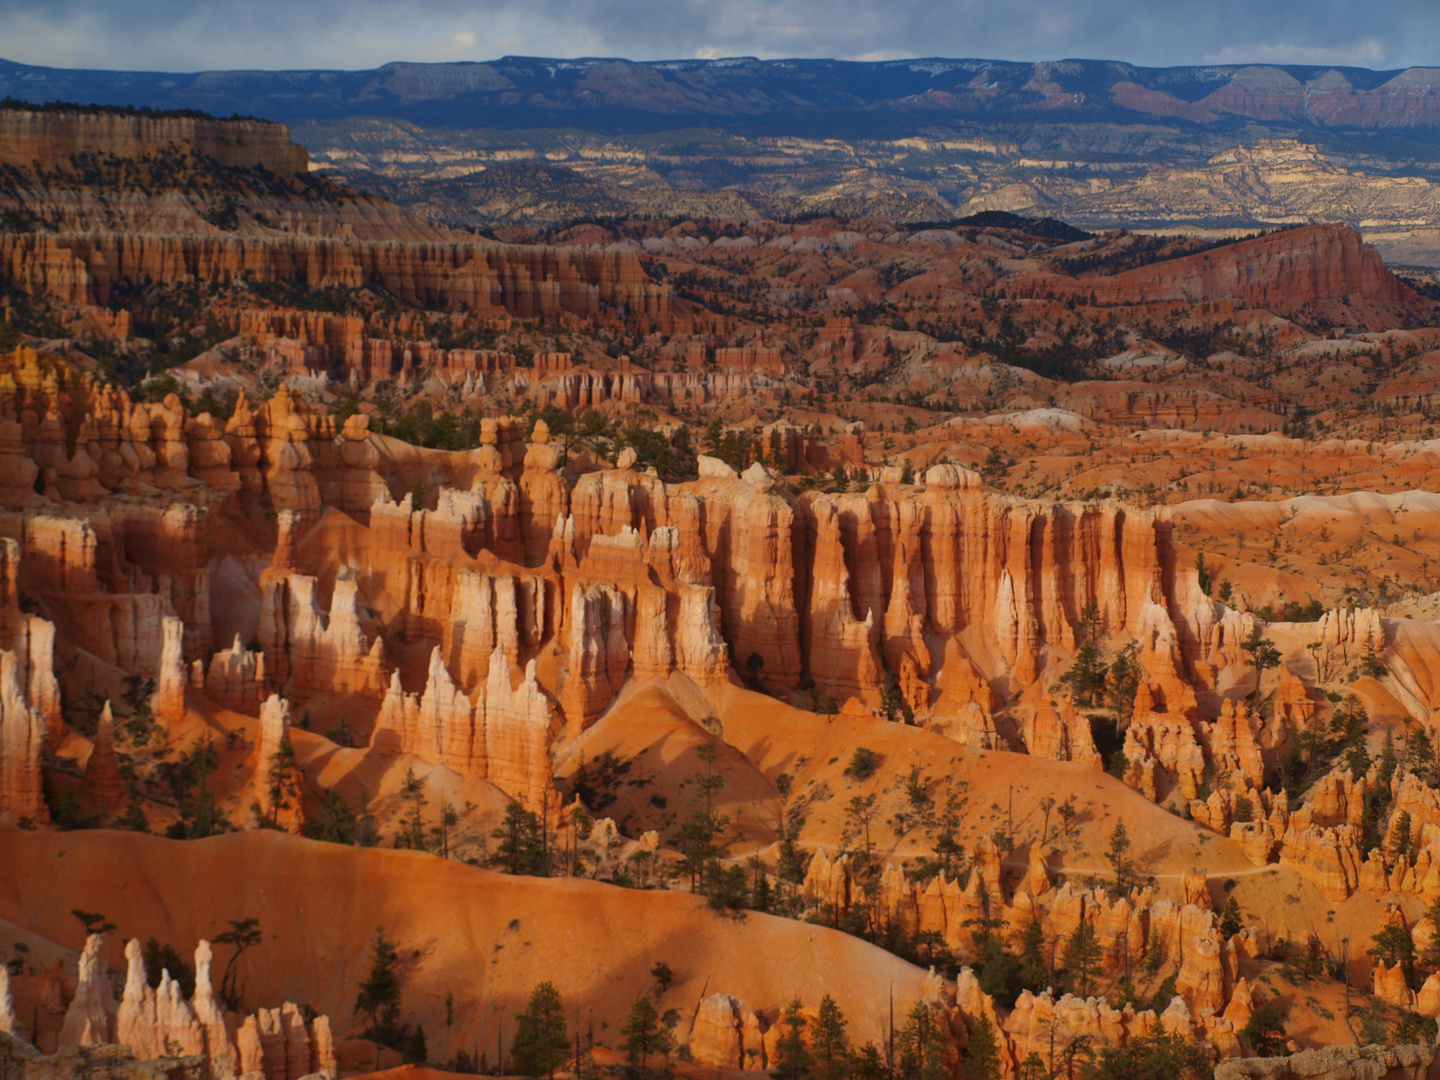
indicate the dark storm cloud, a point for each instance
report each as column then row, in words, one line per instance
column 187, row 35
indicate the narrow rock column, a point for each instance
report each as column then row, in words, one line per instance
column 169, row 700
column 90, row 1019
column 8, row 1021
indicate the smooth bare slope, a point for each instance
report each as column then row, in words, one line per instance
column 486, row 937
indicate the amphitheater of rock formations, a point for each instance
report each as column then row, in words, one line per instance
column 1026, row 648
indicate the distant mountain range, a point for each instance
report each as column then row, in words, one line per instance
column 759, row 97
column 537, row 142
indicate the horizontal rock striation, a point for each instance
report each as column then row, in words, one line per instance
column 1281, row 272
column 487, row 277
column 51, row 139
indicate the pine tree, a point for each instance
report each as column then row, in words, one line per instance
column 922, row 1050
column 1154, row 1055
column 1263, row 656
column 1400, row 837
column 379, row 997
column 280, row 781
column 1357, row 759
column 1120, row 861
column 1264, row 1032
column 1429, row 958
column 831, row 1047
column 982, row 1054
column 133, row 817
column 1420, row 753
column 867, row 1064
column 243, row 935
column 520, row 847
column 541, row 1040
column 1230, row 923
column 1123, row 682
column 794, row 1056
column 1393, row 946
column 411, row 831
column 1086, row 676
column 1082, row 958
column 642, row 1037
column 1032, row 956
column 1389, row 760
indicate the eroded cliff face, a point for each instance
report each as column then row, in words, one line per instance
column 51, row 139
column 268, row 558
column 1283, row 272
column 487, row 277
column 940, row 588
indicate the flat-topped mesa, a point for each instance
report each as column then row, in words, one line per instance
column 50, row 138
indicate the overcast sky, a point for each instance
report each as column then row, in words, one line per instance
column 190, row 35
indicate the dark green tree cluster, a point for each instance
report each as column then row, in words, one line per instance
column 1420, row 757
column 1264, row 1032
column 1096, row 681
column 421, row 425
column 413, row 830
column 521, row 843
column 672, row 456
column 645, row 1037
column 378, row 1002
column 920, row 1049
column 160, row 958
column 339, row 823
column 1306, row 756
column 1005, row 973
column 1292, row 611
column 893, row 705
column 187, row 779
column 700, row 841
column 541, row 1043
column 1155, row 1055
column 739, row 449
column 863, row 764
